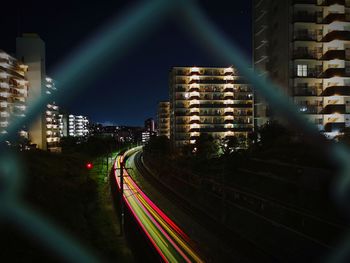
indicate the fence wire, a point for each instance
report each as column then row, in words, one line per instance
column 113, row 41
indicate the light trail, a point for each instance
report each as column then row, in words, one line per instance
column 171, row 243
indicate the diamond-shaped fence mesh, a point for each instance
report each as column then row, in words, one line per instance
column 114, row 40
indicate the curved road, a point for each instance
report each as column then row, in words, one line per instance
column 171, row 243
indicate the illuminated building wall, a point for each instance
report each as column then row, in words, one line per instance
column 73, row 125
column 30, row 49
column 216, row 101
column 13, row 90
column 145, row 136
column 163, row 118
column 316, row 45
column 52, row 119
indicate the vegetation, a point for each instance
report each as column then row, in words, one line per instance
column 60, row 188
column 272, row 142
column 94, row 146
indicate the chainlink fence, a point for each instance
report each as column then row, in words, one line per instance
column 114, row 40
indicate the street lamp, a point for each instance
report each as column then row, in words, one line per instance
column 122, row 168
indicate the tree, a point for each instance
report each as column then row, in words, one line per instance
column 159, row 145
column 272, row 132
column 229, row 145
column 206, row 147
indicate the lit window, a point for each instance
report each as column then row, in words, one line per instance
column 302, row 71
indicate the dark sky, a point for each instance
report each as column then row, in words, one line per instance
column 132, row 85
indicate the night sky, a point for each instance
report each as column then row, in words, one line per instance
column 130, row 88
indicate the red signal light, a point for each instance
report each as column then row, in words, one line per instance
column 89, row 166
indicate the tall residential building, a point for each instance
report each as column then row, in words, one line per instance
column 52, row 128
column 163, row 119
column 73, row 125
column 215, row 101
column 13, row 90
column 150, row 125
column 44, row 131
column 304, row 46
column 30, row 49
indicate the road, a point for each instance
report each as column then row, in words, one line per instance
column 171, row 243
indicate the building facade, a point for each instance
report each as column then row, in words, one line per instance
column 73, row 125
column 30, row 49
column 150, row 125
column 304, row 46
column 215, row 101
column 13, row 90
column 163, row 119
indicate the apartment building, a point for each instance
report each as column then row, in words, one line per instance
column 150, row 125
column 163, row 119
column 73, row 125
column 215, row 101
column 52, row 128
column 30, row 49
column 304, row 46
column 13, row 90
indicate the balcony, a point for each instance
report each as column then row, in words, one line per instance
column 311, row 73
column 334, row 108
column 304, row 2
column 194, row 104
column 310, row 109
column 336, row 35
column 212, row 105
column 332, row 17
column 332, row 2
column 194, row 121
column 194, row 128
column 194, row 95
column 304, row 17
column 180, row 113
column 228, row 71
column 334, row 54
column 307, row 91
column 228, row 88
column 305, row 36
column 242, row 105
column 336, row 91
column 228, row 96
column 305, row 54
column 335, row 72
column 194, row 112
column 334, row 126
column 194, row 88
column 194, row 71
column 194, row 79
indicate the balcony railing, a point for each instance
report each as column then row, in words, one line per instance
column 310, row 108
column 335, row 72
column 311, row 73
column 336, row 90
column 311, row 2
column 307, row 91
column 331, row 17
column 305, row 36
column 331, row 2
column 334, row 54
column 334, row 108
column 305, row 17
column 306, row 54
column 334, row 126
column 336, row 35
